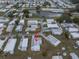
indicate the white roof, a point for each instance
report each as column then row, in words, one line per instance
column 13, row 21
column 30, row 29
column 34, row 26
column 68, row 24
column 32, row 22
column 53, row 10
column 1, row 28
column 3, row 10
column 2, row 20
column 21, row 22
column 74, row 35
column 35, row 46
column 53, row 40
column 52, row 26
column 50, row 20
column 55, row 0
column 72, row 29
column 9, row 6
column 56, row 31
column 1, row 25
column 23, row 44
column 74, row 56
column 38, row 42
column 10, row 46
column 29, row 58
column 19, row 28
column 10, row 28
column 77, row 42
column 57, row 57
column 21, row 14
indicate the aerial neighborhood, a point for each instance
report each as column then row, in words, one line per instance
column 39, row 29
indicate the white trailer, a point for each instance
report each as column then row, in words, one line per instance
column 20, row 26
column 54, row 27
column 1, row 28
column 72, row 29
column 54, row 41
column 23, row 44
column 11, row 25
column 10, row 46
column 35, row 44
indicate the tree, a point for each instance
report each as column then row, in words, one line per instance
column 10, row 15
column 44, row 53
column 16, row 6
column 66, row 17
column 38, row 9
column 16, row 22
column 26, row 13
column 76, row 20
column 66, row 35
column 77, row 8
column 14, row 11
column 46, row 4
column 74, row 1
